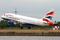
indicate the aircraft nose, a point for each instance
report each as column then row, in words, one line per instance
column 50, row 23
column 2, row 16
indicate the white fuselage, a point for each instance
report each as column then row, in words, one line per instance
column 25, row 19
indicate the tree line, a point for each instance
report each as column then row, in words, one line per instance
column 4, row 23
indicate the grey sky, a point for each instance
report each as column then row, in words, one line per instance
column 33, row 8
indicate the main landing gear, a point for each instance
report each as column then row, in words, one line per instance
column 30, row 27
column 21, row 26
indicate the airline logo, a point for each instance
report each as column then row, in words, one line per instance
column 9, row 15
column 46, row 20
column 50, row 13
column 50, row 23
column 49, row 17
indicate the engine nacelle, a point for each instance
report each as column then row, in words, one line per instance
column 10, row 22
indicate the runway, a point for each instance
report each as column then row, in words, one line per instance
column 6, row 30
column 29, row 33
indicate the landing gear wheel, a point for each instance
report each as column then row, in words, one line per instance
column 21, row 27
column 29, row 27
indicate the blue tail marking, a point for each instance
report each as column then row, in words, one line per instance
column 49, row 17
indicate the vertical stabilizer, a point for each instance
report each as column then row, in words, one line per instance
column 49, row 15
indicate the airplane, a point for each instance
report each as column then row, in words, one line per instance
column 19, row 19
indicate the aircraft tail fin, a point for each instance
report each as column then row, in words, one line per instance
column 49, row 15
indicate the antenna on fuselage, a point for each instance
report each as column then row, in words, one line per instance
column 15, row 11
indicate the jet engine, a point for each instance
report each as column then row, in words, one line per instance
column 10, row 22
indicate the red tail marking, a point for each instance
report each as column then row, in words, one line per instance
column 50, row 23
column 51, row 13
column 46, row 20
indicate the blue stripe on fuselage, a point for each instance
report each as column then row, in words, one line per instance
column 31, row 24
column 5, row 19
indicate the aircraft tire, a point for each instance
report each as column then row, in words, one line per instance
column 29, row 27
column 21, row 27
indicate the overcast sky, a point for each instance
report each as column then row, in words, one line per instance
column 32, row 8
